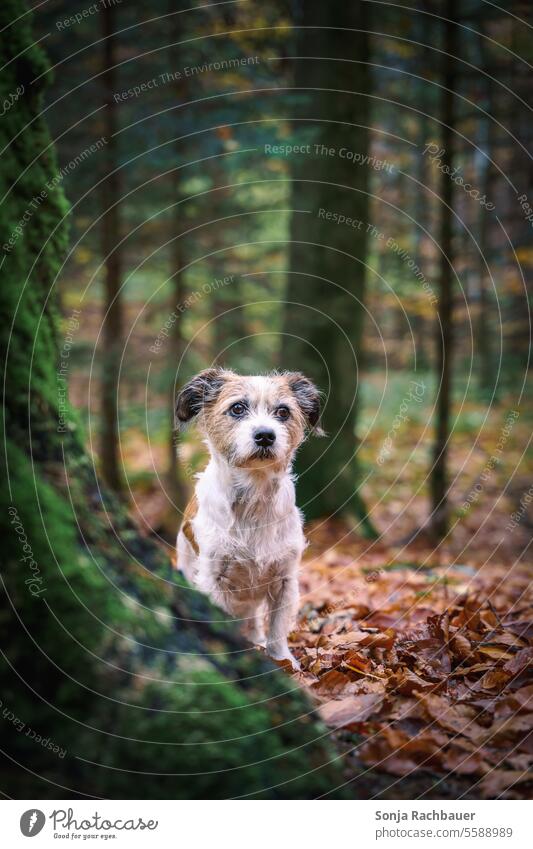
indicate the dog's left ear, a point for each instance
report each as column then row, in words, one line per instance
column 308, row 398
column 198, row 392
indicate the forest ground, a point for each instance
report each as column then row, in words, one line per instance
column 419, row 658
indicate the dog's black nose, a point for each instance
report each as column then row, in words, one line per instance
column 264, row 437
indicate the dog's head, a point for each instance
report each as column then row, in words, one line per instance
column 253, row 422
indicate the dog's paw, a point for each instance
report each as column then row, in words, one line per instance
column 283, row 657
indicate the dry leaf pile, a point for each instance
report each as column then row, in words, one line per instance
column 432, row 667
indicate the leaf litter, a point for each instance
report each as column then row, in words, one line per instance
column 422, row 667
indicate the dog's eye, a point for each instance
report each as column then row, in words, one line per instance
column 237, row 409
column 283, row 413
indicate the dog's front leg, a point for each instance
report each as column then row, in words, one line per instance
column 282, row 608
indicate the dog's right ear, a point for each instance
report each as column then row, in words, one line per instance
column 199, row 391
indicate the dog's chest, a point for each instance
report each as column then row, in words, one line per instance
column 246, row 581
column 249, row 537
column 260, row 540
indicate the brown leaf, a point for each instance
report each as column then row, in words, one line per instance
column 315, row 667
column 358, row 662
column 348, row 639
column 465, row 763
column 333, row 682
column 507, row 639
column 496, row 653
column 352, row 709
column 400, row 753
column 384, row 639
column 407, row 682
column 511, row 725
column 520, row 661
column 500, row 780
column 404, row 707
column 522, row 628
column 461, row 646
column 450, row 674
column 456, row 718
column 284, row 664
column 521, row 762
column 521, row 700
column 493, row 679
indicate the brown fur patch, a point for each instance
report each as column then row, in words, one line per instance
column 190, row 512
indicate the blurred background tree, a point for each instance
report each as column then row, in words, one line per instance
column 325, row 300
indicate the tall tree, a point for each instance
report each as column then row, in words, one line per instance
column 112, row 323
column 177, row 487
column 326, row 283
column 485, row 173
column 439, row 471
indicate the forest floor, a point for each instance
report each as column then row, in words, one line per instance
column 422, row 667
column 419, row 658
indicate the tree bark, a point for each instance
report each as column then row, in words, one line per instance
column 485, row 373
column 326, row 284
column 439, row 471
column 177, row 487
column 112, row 323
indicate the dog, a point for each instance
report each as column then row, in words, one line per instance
column 241, row 539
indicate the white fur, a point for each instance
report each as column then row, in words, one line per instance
column 249, row 556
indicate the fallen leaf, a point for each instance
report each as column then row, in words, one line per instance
column 499, row 780
column 456, row 718
column 461, row 646
column 496, row 653
column 343, row 712
column 358, row 662
column 332, row 682
column 407, row 682
column 464, row 763
column 520, row 661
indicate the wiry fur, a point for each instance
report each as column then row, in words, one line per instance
column 241, row 540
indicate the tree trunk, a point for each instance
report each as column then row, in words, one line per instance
column 177, row 487
column 485, row 371
column 326, row 284
column 420, row 325
column 439, row 472
column 112, row 323
column 483, row 334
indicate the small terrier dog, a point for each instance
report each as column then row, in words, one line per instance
column 241, row 539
